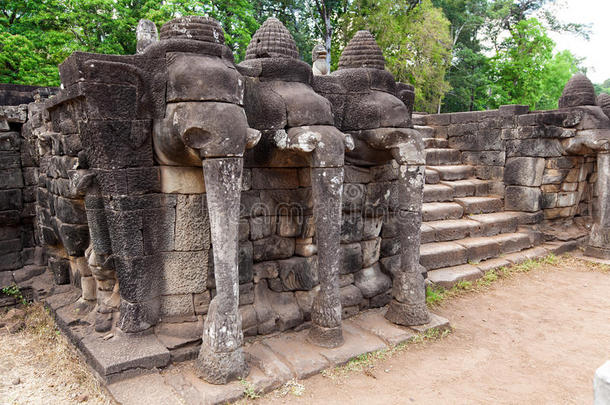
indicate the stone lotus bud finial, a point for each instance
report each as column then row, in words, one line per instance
column 146, row 34
column 362, row 51
column 318, row 56
column 272, row 40
column 603, row 101
column 578, row 91
column 196, row 28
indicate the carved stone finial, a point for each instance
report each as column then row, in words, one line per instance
column 362, row 51
column 603, row 101
column 272, row 40
column 197, row 28
column 146, row 34
column 578, row 91
column 318, row 56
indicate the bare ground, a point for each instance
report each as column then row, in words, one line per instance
column 38, row 366
column 534, row 337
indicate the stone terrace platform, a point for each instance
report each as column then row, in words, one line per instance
column 158, row 367
column 273, row 360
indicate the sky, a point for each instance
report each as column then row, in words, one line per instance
column 596, row 51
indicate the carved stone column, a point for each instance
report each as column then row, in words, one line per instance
column 599, row 240
column 221, row 358
column 327, row 187
column 408, row 305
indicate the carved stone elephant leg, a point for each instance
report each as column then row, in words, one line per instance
column 327, row 186
column 221, row 358
column 599, row 240
column 98, row 259
column 408, row 305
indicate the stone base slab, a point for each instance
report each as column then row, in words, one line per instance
column 598, row 253
column 273, row 361
column 449, row 276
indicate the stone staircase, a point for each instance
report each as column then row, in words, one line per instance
column 465, row 230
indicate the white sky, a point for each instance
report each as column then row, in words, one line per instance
column 596, row 51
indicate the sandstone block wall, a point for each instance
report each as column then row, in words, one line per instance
column 18, row 180
column 524, row 153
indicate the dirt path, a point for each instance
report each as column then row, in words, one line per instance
column 536, row 338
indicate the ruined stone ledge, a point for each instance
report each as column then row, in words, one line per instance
column 273, row 360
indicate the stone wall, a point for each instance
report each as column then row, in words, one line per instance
column 19, row 256
column 525, row 154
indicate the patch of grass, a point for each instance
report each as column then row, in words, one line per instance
column 292, row 387
column 15, row 292
column 249, row 389
column 436, row 295
column 488, row 278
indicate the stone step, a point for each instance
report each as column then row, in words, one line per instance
column 498, row 222
column 447, row 277
column 473, row 226
column 435, row 143
column 425, row 131
column 443, row 157
column 468, row 187
column 471, row 250
column 453, row 172
column 432, row 176
column 437, row 193
column 480, row 205
column 436, row 211
column 451, row 229
column 419, row 119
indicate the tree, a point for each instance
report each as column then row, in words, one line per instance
column 557, row 72
column 478, row 29
column 467, row 74
column 524, row 71
column 414, row 38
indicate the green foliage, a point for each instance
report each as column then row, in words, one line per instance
column 603, row 87
column 518, row 69
column 415, row 41
column 15, row 292
column 249, row 389
column 556, row 74
column 471, row 54
column 434, row 296
column 485, row 60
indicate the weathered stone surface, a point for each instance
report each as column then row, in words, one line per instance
column 272, row 248
column 371, row 281
column 192, row 223
column 370, row 251
column 288, row 312
column 518, row 198
column 184, row 272
column 524, row 171
column 442, row 254
column 121, row 353
column 352, row 258
column 439, row 211
column 261, row 356
column 450, row 276
column 303, row 359
column 479, row 205
column 373, row 322
column 480, row 248
column 298, row 273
